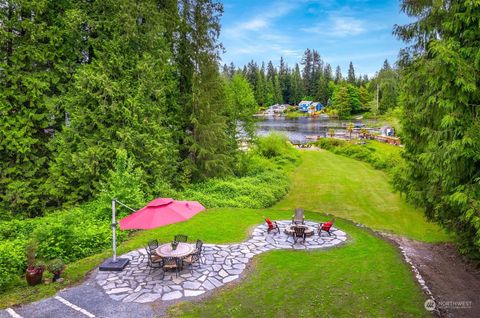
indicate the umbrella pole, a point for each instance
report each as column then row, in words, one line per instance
column 114, row 231
column 114, row 263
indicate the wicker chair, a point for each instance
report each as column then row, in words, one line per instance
column 154, row 261
column 174, row 263
column 299, row 232
column 298, row 217
column 181, row 238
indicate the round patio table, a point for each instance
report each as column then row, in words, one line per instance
column 183, row 249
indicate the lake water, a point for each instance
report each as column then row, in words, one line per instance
column 297, row 129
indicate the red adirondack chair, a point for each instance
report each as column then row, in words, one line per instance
column 325, row 227
column 272, row 225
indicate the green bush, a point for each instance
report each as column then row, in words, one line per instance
column 379, row 155
column 258, row 191
column 261, row 177
column 12, row 261
column 260, row 181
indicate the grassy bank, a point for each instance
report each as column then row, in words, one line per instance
column 366, row 277
column 347, row 188
column 379, row 154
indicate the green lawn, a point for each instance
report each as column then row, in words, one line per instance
column 364, row 278
column 351, row 189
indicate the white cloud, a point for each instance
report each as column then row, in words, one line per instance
column 345, row 26
column 261, row 21
column 339, row 26
column 254, row 24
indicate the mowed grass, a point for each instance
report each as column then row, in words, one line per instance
column 351, row 189
column 212, row 226
column 366, row 277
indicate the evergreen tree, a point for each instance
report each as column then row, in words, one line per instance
column 231, row 70
column 277, row 91
column 387, row 80
column 338, row 75
column 271, row 72
column 317, row 71
column 284, row 81
column 307, row 62
column 208, row 145
column 341, row 101
column 351, row 74
column 297, row 92
column 324, row 93
column 364, row 97
column 260, row 88
column 441, row 122
column 115, row 102
column 40, row 50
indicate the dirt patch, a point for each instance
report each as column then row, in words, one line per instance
column 453, row 281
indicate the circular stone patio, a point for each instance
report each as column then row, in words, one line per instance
column 221, row 265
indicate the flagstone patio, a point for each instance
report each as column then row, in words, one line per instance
column 221, row 264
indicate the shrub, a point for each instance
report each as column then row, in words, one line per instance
column 12, row 261
column 260, row 181
column 380, row 156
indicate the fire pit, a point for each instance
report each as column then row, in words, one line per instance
column 290, row 229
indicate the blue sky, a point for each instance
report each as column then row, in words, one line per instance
column 341, row 31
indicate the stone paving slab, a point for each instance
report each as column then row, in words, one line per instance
column 221, row 264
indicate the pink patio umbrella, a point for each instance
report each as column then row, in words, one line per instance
column 160, row 212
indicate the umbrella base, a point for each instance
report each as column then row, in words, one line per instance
column 110, row 265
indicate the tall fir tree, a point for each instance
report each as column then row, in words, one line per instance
column 351, row 79
column 297, row 85
column 284, row 80
column 208, row 146
column 41, row 47
column 307, row 62
column 324, row 92
column 338, row 75
column 118, row 101
column 441, row 117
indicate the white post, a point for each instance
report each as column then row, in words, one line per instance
column 114, row 233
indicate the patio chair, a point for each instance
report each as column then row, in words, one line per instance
column 272, row 226
column 175, row 263
column 181, row 238
column 299, row 232
column 154, row 262
column 199, row 246
column 153, row 244
column 298, row 217
column 327, row 226
column 196, row 256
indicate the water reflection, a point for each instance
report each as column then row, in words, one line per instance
column 298, row 128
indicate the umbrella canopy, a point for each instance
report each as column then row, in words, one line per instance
column 160, row 212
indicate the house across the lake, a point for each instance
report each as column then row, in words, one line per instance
column 309, row 106
column 276, row 109
column 304, row 105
